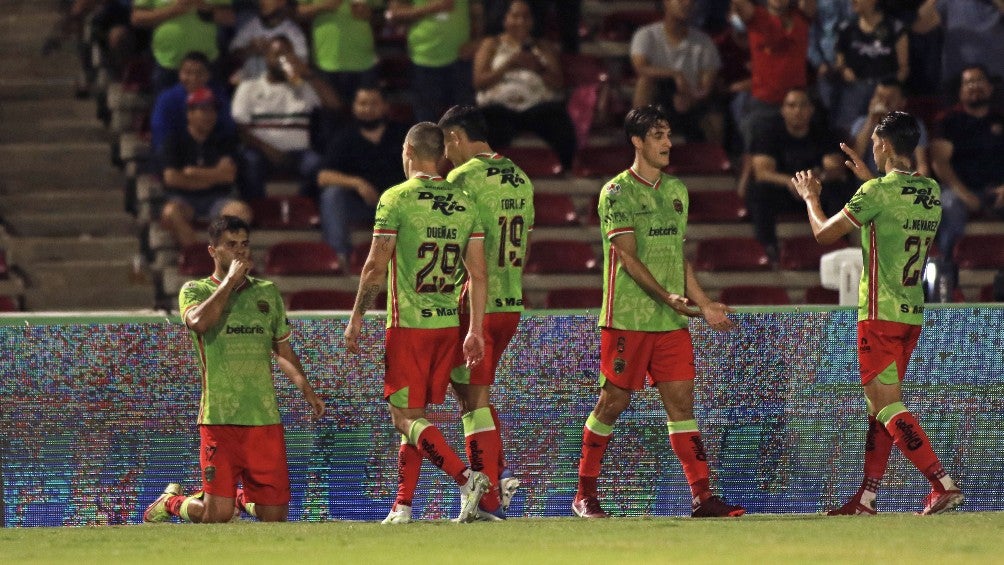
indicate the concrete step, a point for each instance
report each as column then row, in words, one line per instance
column 53, row 120
column 62, row 201
column 28, row 251
column 87, row 285
column 58, row 166
column 82, row 223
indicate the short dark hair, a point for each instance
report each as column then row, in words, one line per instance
column 226, row 224
column 372, row 86
column 468, row 118
column 197, row 57
column 901, row 130
column 426, row 139
column 640, row 120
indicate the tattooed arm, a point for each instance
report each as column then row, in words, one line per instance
column 370, row 281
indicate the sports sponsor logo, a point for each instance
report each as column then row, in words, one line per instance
column 245, row 330
column 430, row 451
column 698, row 447
column 663, row 230
column 923, row 196
column 509, row 175
column 210, row 473
column 443, row 203
column 477, row 461
column 613, row 188
column 620, row 344
column 910, row 436
column 430, row 312
column 619, row 365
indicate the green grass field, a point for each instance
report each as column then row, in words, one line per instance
column 886, row 539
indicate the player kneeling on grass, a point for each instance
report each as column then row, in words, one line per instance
column 237, row 323
column 898, row 215
column 648, row 292
column 424, row 226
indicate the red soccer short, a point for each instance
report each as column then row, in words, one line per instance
column 252, row 455
column 882, row 343
column 418, row 361
column 499, row 328
column 629, row 358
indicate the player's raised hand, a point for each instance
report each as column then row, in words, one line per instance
column 855, row 163
column 716, row 315
column 239, row 268
column 474, row 349
column 351, row 335
column 683, row 305
column 806, row 184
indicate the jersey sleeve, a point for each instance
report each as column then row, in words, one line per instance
column 864, row 205
column 387, row 220
column 192, row 294
column 614, row 211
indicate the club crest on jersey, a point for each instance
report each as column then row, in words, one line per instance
column 619, row 365
column 678, row 205
column 442, row 202
column 263, row 307
column 210, row 473
column 613, row 188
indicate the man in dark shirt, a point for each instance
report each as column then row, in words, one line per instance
column 795, row 143
column 967, row 155
column 363, row 160
column 199, row 168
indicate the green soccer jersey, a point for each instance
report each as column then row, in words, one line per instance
column 503, row 197
column 342, row 42
column 898, row 215
column 435, row 40
column 432, row 221
column 236, row 354
column 656, row 214
column 175, row 37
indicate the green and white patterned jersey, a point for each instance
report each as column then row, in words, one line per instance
column 503, row 197
column 432, row 221
column 657, row 216
column 898, row 215
column 236, row 354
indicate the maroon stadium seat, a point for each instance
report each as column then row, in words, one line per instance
column 554, row 210
column 980, row 252
column 321, row 299
column 820, row 295
column 698, row 158
column 358, row 257
column 574, row 298
column 4, row 269
column 717, row 206
column 285, row 212
column 301, row 258
column 8, row 304
column 537, row 162
column 603, row 162
column 561, row 257
column 731, row 254
column 195, row 261
column 754, row 295
column 803, row 253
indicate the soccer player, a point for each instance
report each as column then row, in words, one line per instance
column 237, row 323
column 898, row 215
column 649, row 292
column 424, row 226
column 503, row 197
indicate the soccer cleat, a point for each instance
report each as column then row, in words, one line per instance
column 854, row 507
column 940, row 501
column 157, row 511
column 588, row 507
column 470, row 495
column 715, row 507
column 507, row 489
column 486, row 516
column 399, row 514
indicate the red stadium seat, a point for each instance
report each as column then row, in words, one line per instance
column 8, row 304
column 603, row 162
column 731, row 254
column 987, row 293
column 717, row 206
column 803, row 253
column 621, row 25
column 358, row 257
column 301, row 258
column 927, row 109
column 554, row 210
column 593, row 218
column 980, row 252
column 195, row 261
column 4, row 269
column 574, row 298
column 747, row 295
column 820, row 295
column 561, row 257
column 285, row 212
column 537, row 162
column 318, row 299
column 698, row 158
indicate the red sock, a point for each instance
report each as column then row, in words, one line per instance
column 594, row 446
column 482, row 451
column 409, row 469
column 689, row 450
column 913, row 442
column 173, row 504
column 878, row 446
column 433, row 445
column 498, row 430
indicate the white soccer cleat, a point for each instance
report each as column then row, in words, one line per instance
column 507, row 490
column 399, row 514
column 470, row 495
